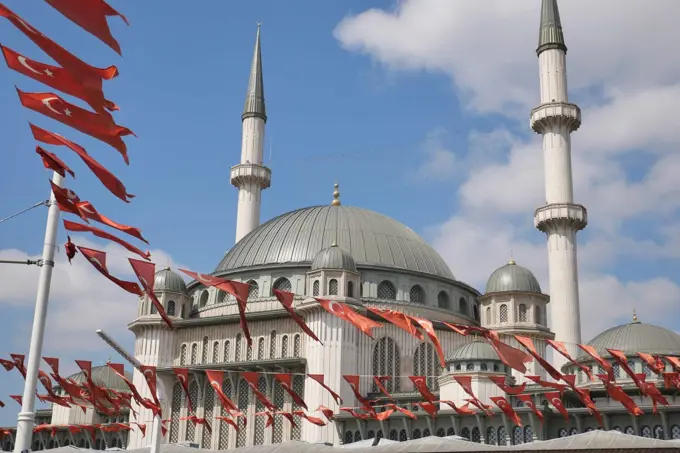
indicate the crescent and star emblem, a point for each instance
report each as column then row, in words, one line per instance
column 22, row 61
column 215, row 385
column 148, row 373
column 332, row 306
column 556, row 402
column 95, row 261
column 181, row 379
column 71, row 195
column 26, row 26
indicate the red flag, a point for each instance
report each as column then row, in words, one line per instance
column 512, row 357
column 59, row 79
column 73, row 226
column 183, row 378
column 505, row 406
column 70, row 249
column 98, row 260
column 428, row 407
column 253, row 379
column 655, row 364
column 651, row 391
column 314, row 420
column 547, row 384
column 510, row 390
column 429, row 330
column 88, row 75
column 17, row 398
column 98, row 125
column 603, row 363
column 120, row 371
column 328, row 413
column 237, row 289
column 142, row 428
column 620, row 357
column 146, row 273
column 671, row 381
column 8, row 365
column 399, row 319
column 228, row 420
column 346, row 313
column 105, row 176
column 46, row 381
column 270, row 417
column 353, row 381
column 53, row 362
column 286, row 382
column 556, row 401
column 674, row 361
column 406, row 412
column 419, row 382
column 52, row 162
column 320, row 379
column 19, row 363
column 67, row 200
column 617, row 394
column 150, row 377
column 528, row 343
column 559, row 347
column 86, row 208
column 378, row 381
column 286, row 299
column 528, row 401
column 92, row 18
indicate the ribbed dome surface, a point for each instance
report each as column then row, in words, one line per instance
column 168, row 280
column 512, row 277
column 476, row 350
column 636, row 337
column 334, row 257
column 371, row 238
column 103, row 376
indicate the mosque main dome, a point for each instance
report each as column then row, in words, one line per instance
column 636, row 337
column 373, row 240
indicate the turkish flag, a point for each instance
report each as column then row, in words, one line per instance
column 45, row 380
column 146, row 274
column 399, row 319
column 429, row 330
column 52, row 162
column 528, row 401
column 286, row 299
column 528, row 343
column 229, row 421
column 98, row 125
column 142, row 428
column 510, row 390
column 353, row 381
column 406, row 412
column 346, row 313
column 620, row 357
column 59, row 79
column 8, row 365
column 183, row 378
column 216, row 378
column 507, row 409
column 617, row 394
column 150, row 377
column 547, row 384
column 671, row 381
column 428, row 407
column 270, row 418
column 285, row 380
column 120, row 371
column 19, row 363
column 67, row 200
column 420, row 384
column 107, row 178
column 314, row 420
column 89, row 211
column 73, row 226
column 98, row 259
column 603, row 363
column 466, row 383
column 556, row 400
column 70, row 249
column 253, row 380
column 328, row 413
column 53, row 362
column 655, row 364
column 674, row 361
column 512, row 357
column 463, row 410
column 559, row 347
column 378, row 381
column 320, row 379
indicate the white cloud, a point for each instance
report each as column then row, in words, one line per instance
column 621, row 71
column 440, row 163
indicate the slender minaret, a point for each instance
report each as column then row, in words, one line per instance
column 250, row 177
column 560, row 218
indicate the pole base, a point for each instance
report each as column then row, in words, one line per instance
column 24, row 435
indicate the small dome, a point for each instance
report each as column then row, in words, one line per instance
column 636, row 337
column 512, row 277
column 334, row 258
column 475, row 350
column 103, row 376
column 167, row 280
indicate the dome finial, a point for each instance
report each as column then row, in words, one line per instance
column 512, row 260
column 336, row 195
column 635, row 318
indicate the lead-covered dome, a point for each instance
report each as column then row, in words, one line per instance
column 105, row 377
column 168, row 280
column 374, row 240
column 636, row 337
column 475, row 350
column 334, row 257
column 512, row 278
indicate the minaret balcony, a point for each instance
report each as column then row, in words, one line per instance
column 555, row 216
column 552, row 115
column 244, row 174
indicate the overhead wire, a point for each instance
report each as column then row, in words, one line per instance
column 40, row 203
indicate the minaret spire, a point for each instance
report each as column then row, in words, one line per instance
column 560, row 219
column 250, row 177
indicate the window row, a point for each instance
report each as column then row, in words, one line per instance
column 522, row 315
column 617, row 371
column 333, row 288
column 387, row 362
column 645, row 431
column 494, row 436
column 223, row 351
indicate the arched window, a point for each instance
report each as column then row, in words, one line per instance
column 394, row 435
column 463, row 306
column 522, row 313
column 475, row 312
column 238, row 347
column 260, row 349
column 491, row 436
column 221, row 297
column 216, row 352
column 284, row 347
column 426, row 363
column 416, row 434
column 204, row 351
column 204, row 299
column 528, row 434
column 502, row 436
column 297, row 345
column 386, row 362
column 193, row 396
column 517, row 436
column 465, row 433
column 333, row 287
column 153, row 310
column 183, row 355
column 272, row 345
column 223, row 427
column 243, row 397
column 208, row 408
column 259, row 407
column 426, row 433
column 283, row 284
column 441, row 432
column 176, row 407
column 316, row 287
column 386, row 290
column 349, row 437
column 350, row 289
column 171, row 308
column 503, row 313
column 629, row 430
column 278, row 400
column 227, row 351
column 403, row 437
column 417, row 294
column 299, row 388
column 488, row 316
column 253, row 290
column 675, row 432
column 443, row 300
column 470, row 367
column 476, row 435
column 646, row 431
column 194, row 353
column 616, row 369
column 658, row 432
column 357, row 436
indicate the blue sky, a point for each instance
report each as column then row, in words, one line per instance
column 376, row 103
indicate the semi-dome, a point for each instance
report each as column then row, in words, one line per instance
column 168, row 280
column 636, row 337
column 105, row 377
column 475, row 350
column 334, row 257
column 512, row 277
column 374, row 240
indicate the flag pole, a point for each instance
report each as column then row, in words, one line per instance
column 26, row 418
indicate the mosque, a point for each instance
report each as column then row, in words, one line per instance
column 365, row 259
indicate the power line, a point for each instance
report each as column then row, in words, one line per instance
column 40, row 203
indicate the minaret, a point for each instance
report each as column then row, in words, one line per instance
column 250, row 177
column 555, row 118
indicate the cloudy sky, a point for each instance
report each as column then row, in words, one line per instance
column 418, row 108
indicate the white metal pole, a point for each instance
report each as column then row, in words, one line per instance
column 157, row 435
column 26, row 418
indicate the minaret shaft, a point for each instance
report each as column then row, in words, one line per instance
column 250, row 176
column 560, row 219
